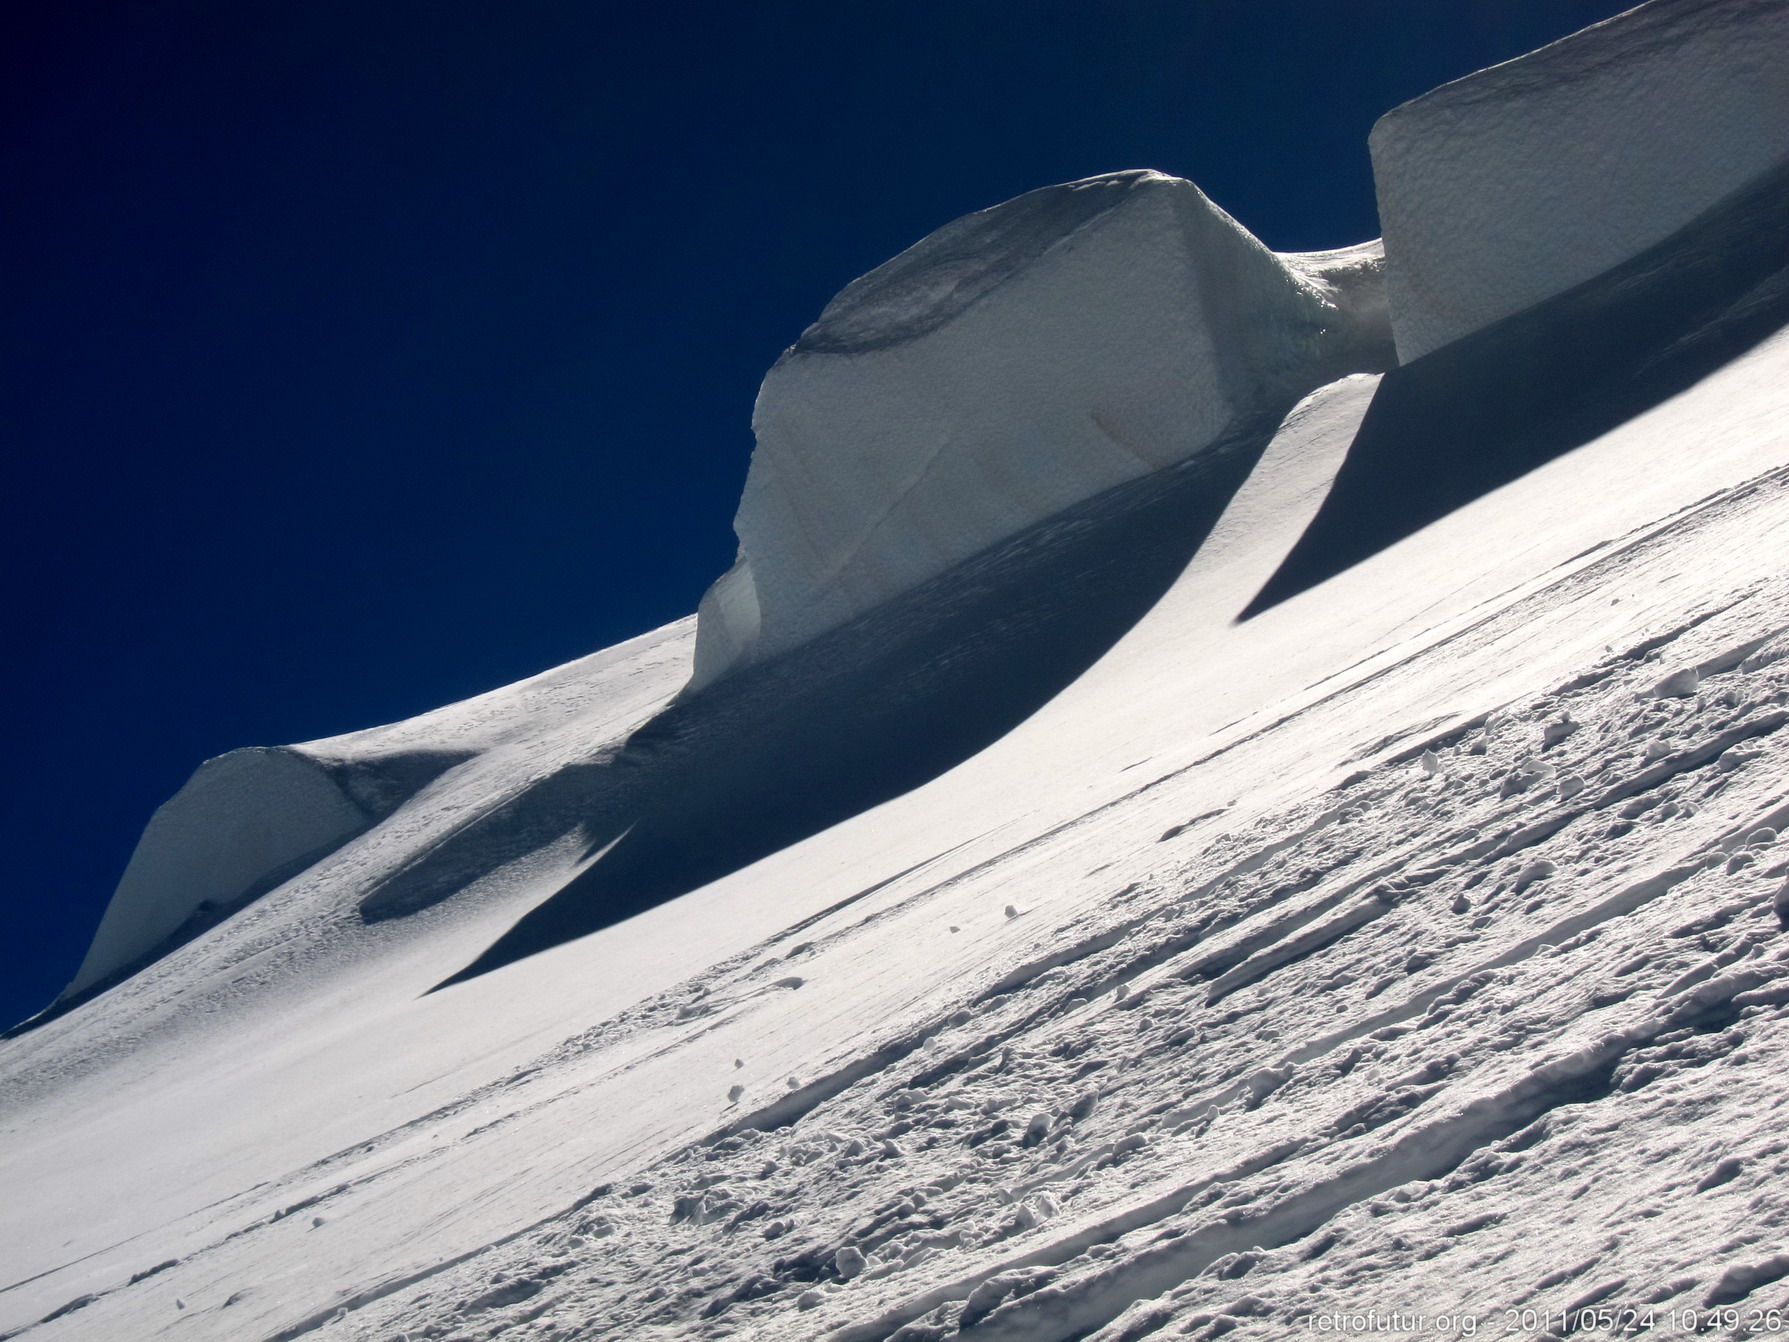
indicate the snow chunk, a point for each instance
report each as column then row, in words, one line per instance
column 1013, row 363
column 1516, row 183
column 242, row 820
column 1678, row 685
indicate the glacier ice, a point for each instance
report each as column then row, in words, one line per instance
column 242, row 819
column 1520, row 181
column 1015, row 362
column 1406, row 940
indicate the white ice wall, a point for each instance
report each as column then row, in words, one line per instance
column 1015, row 362
column 239, row 818
column 1518, row 182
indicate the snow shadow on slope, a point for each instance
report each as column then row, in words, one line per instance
column 782, row 750
column 1450, row 427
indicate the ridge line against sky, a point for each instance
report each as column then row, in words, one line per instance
column 366, row 357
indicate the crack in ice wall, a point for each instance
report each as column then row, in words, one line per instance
column 1012, row 364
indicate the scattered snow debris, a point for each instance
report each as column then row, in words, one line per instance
column 179, row 1302
column 316, row 1221
column 955, row 928
column 738, row 1063
column 734, row 1092
column 1570, row 786
column 809, row 1300
column 1678, row 685
column 1012, row 910
column 793, row 981
column 1430, row 761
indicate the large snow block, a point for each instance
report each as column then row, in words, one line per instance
column 1013, row 363
column 1521, row 181
column 242, row 819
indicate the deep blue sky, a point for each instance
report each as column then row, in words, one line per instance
column 360, row 357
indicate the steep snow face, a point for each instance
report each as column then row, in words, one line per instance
column 1015, row 362
column 1518, row 182
column 251, row 820
column 242, row 818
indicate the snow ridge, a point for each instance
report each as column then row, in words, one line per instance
column 1038, row 920
column 1016, row 362
column 1518, row 182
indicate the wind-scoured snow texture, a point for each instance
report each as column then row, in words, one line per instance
column 1518, row 182
column 240, row 818
column 1014, row 363
column 1350, row 986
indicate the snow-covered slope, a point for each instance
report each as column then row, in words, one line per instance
column 243, row 820
column 331, row 1142
column 1013, row 363
column 249, row 820
column 1516, row 183
column 1335, row 874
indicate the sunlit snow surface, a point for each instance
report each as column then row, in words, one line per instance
column 1321, row 876
column 1515, row 183
column 1197, row 996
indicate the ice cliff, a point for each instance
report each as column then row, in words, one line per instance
column 1015, row 362
column 1516, row 183
column 1026, row 357
column 1175, row 835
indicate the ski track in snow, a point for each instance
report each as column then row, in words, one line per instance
column 1347, row 1068
column 1386, row 962
column 1515, row 983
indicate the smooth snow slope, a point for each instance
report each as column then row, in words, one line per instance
column 1515, row 183
column 242, row 819
column 249, row 820
column 1013, row 363
column 936, row 1073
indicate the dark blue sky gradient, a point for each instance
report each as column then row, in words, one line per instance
column 360, row 357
